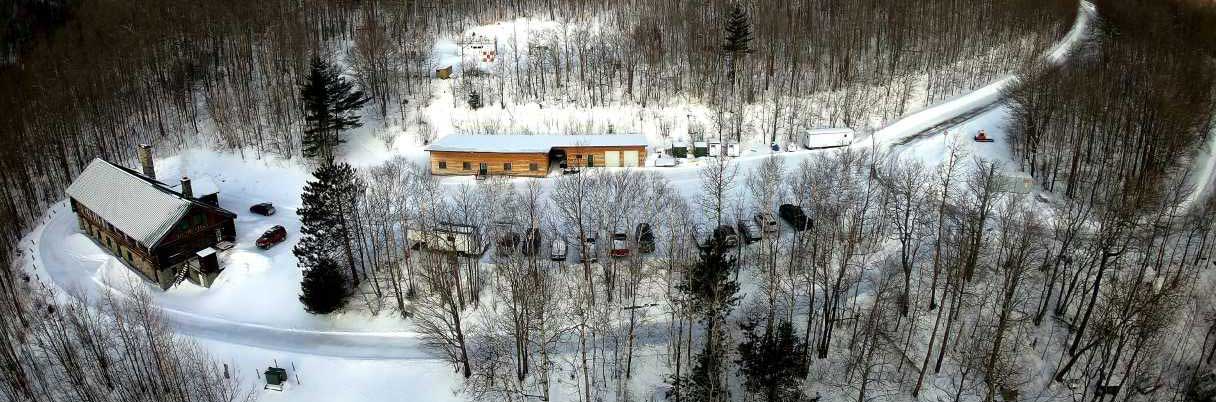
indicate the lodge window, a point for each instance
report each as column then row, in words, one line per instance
column 533, row 166
column 467, row 166
column 128, row 255
column 590, row 160
column 443, row 164
column 199, row 220
column 506, row 167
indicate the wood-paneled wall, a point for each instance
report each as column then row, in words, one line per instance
column 520, row 162
column 495, row 162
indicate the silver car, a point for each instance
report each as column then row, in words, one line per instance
column 557, row 250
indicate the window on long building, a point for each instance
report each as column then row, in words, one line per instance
column 533, row 166
column 467, row 166
column 506, row 167
column 443, row 164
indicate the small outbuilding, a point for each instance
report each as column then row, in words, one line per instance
column 679, row 149
column 1016, row 182
column 532, row 155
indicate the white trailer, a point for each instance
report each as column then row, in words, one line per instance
column 448, row 238
column 828, row 137
column 715, row 148
column 732, row 149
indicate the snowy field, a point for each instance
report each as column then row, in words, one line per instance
column 251, row 315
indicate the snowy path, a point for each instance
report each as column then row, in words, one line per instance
column 958, row 110
column 269, row 318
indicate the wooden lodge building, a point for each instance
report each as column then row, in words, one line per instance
column 532, row 155
column 166, row 234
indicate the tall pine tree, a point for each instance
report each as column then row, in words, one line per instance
column 770, row 360
column 331, row 104
column 738, row 38
column 323, row 289
column 712, row 295
column 326, row 217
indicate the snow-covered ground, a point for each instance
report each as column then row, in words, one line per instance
column 251, row 315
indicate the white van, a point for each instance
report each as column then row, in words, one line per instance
column 828, row 137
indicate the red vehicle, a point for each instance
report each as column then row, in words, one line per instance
column 275, row 235
column 620, row 244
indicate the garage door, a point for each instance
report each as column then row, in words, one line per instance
column 612, row 158
column 631, row 158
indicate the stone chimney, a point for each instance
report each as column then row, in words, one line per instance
column 145, row 161
column 186, row 190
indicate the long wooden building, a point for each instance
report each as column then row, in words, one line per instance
column 165, row 234
column 532, row 155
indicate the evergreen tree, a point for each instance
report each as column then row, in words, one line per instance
column 475, row 100
column 712, row 294
column 771, row 361
column 738, row 31
column 738, row 38
column 704, row 383
column 326, row 216
column 323, row 289
column 331, row 104
column 709, row 284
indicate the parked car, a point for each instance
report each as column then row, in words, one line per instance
column 645, row 238
column 264, row 209
column 726, row 236
column 591, row 253
column 792, row 214
column 767, row 222
column 275, row 235
column 620, row 244
column 532, row 241
column 750, row 231
column 507, row 243
column 558, row 249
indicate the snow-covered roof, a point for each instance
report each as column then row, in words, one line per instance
column 200, row 186
column 532, row 143
column 140, row 207
column 205, row 252
column 836, row 130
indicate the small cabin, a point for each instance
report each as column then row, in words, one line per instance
column 448, row 238
column 679, row 149
column 1016, row 182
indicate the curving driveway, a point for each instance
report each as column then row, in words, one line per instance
column 66, row 257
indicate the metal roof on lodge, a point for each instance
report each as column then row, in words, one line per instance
column 532, row 143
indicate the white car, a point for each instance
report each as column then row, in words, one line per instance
column 557, row 250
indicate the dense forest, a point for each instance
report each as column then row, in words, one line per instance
column 1127, row 114
column 913, row 280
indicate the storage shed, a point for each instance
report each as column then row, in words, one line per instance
column 532, row 155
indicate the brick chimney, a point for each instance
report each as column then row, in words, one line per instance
column 187, row 191
column 145, row 161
